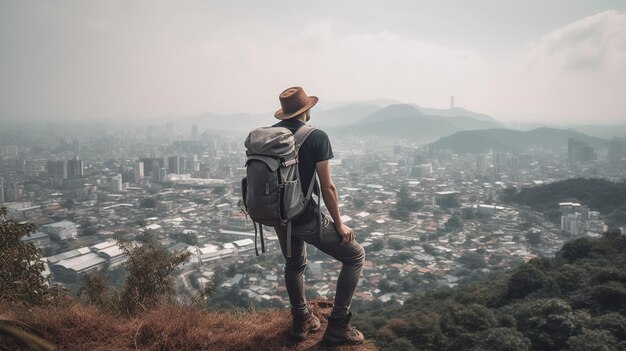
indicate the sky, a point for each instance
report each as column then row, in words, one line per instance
column 557, row 62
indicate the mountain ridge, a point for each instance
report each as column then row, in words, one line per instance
column 504, row 139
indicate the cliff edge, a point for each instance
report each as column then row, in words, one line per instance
column 168, row 327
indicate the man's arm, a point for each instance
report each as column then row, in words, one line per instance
column 331, row 199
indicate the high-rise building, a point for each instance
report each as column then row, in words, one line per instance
column 57, row 169
column 195, row 131
column 513, row 164
column 161, row 174
column 499, row 161
column 115, row 185
column 574, row 218
column 150, row 163
column 138, row 172
column 174, row 164
column 579, row 151
column 480, row 163
column 75, row 168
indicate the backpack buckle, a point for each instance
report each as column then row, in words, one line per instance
column 288, row 163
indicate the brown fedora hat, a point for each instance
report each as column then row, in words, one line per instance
column 294, row 101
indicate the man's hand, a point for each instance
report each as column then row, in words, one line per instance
column 347, row 235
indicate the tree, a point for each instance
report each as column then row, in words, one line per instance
column 396, row 244
column 405, row 205
column 591, row 340
column 21, row 269
column 472, row 260
column 548, row 323
column 454, row 223
column 69, row 204
column 534, row 238
column 527, row 280
column 148, row 202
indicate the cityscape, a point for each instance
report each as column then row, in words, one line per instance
column 426, row 217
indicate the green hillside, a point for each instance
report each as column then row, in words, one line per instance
column 604, row 196
column 575, row 301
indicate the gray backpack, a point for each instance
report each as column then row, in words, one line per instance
column 272, row 192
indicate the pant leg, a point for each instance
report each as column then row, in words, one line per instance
column 350, row 255
column 294, row 270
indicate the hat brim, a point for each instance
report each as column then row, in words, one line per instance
column 282, row 115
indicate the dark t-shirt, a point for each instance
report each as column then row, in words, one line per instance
column 316, row 148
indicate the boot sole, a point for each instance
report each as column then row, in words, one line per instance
column 333, row 341
column 293, row 338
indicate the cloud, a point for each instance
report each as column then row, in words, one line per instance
column 573, row 74
column 359, row 66
column 593, row 43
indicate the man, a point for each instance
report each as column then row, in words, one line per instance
column 339, row 240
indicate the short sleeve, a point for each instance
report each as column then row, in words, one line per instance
column 321, row 145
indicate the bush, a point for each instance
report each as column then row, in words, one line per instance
column 20, row 264
column 149, row 267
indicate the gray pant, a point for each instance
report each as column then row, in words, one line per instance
column 351, row 255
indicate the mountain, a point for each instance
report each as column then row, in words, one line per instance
column 343, row 115
column 456, row 112
column 335, row 114
column 407, row 122
column 500, row 139
column 393, row 112
column 602, row 131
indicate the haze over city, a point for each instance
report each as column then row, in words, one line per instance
column 557, row 62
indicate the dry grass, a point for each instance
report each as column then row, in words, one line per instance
column 168, row 327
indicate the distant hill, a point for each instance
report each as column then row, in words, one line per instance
column 501, row 139
column 359, row 113
column 456, row 112
column 602, row 131
column 407, row 122
column 604, row 196
column 575, row 301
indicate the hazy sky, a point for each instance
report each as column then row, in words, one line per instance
column 551, row 61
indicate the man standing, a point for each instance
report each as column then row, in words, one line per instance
column 338, row 240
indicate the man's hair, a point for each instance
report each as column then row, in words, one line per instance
column 301, row 114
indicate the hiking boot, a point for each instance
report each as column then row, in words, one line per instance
column 302, row 326
column 340, row 332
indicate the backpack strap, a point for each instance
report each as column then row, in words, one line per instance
column 300, row 137
column 309, row 194
column 262, row 240
column 256, row 248
column 302, row 134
